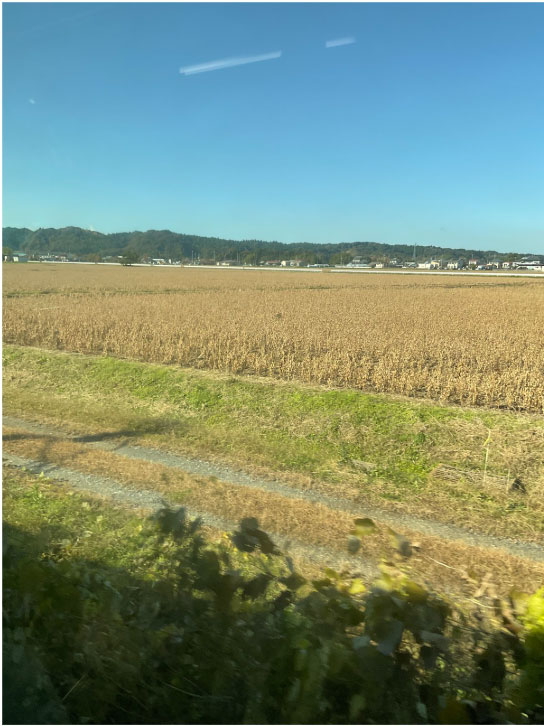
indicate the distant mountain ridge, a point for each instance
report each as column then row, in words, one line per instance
column 171, row 245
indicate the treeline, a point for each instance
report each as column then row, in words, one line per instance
column 83, row 243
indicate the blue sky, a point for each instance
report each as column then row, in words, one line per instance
column 428, row 128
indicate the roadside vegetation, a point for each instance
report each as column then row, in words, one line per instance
column 312, row 527
column 477, row 468
column 170, row 623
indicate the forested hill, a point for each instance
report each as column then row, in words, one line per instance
column 163, row 243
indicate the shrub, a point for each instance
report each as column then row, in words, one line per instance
column 231, row 633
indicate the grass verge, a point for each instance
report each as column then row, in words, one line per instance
column 437, row 562
column 453, row 464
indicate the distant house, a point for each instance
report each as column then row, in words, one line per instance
column 227, row 263
column 20, row 257
column 507, row 265
column 429, row 265
column 291, row 263
column 359, row 262
column 455, row 265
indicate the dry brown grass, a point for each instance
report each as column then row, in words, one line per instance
column 442, row 563
column 470, row 341
column 454, row 492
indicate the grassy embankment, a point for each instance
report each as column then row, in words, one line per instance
column 449, row 463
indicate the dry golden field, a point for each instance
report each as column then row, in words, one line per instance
column 466, row 340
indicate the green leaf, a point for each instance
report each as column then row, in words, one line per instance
column 356, row 587
column 391, row 636
column 415, row 592
column 421, row 708
column 519, row 600
column 294, row 691
column 363, row 527
column 360, row 642
column 356, row 705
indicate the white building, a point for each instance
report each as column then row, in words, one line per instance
column 429, row 265
column 531, row 265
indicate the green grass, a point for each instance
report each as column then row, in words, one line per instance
column 43, row 516
column 50, row 517
column 284, row 427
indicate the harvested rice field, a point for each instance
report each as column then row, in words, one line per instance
column 457, row 340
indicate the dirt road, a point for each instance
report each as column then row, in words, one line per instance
column 226, row 474
column 310, row 525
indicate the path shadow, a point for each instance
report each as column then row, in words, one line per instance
column 152, row 426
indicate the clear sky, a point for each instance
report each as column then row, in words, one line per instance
column 398, row 123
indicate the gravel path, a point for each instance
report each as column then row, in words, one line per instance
column 200, row 467
column 151, row 502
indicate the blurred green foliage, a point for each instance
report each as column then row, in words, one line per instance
column 189, row 631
